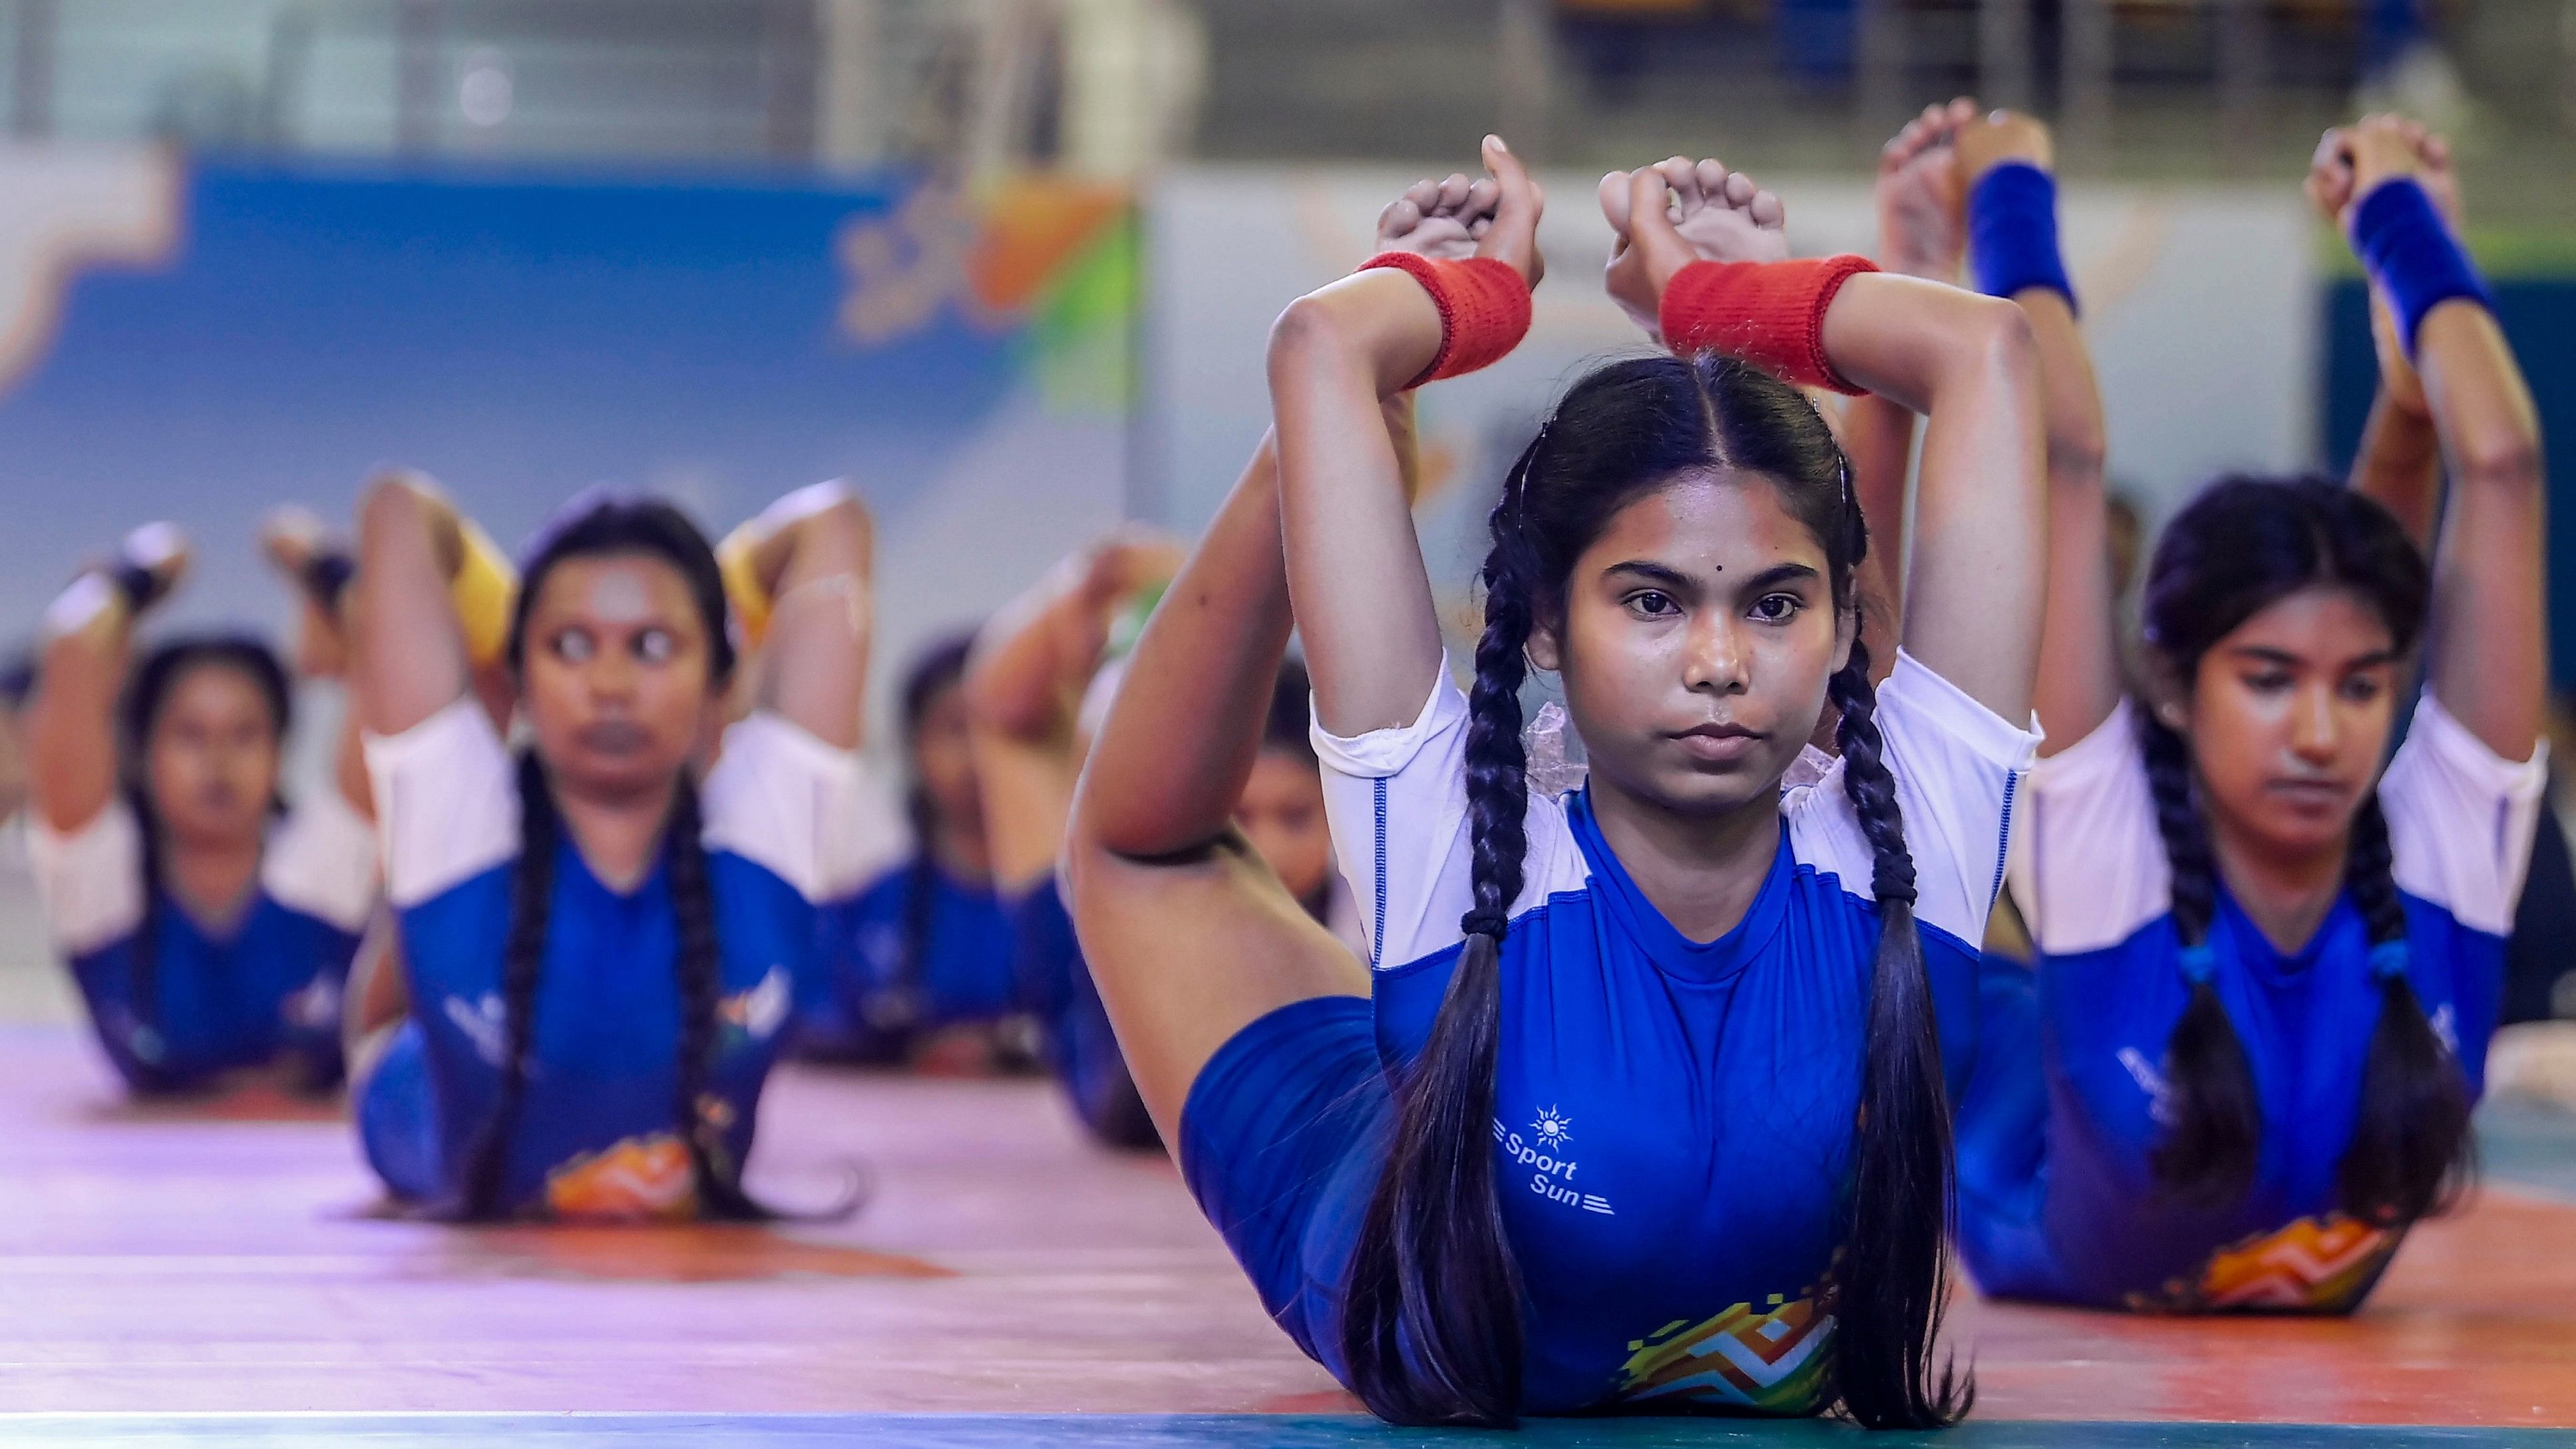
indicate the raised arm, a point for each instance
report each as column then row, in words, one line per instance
column 1024, row 690
column 2488, row 643
column 1355, row 567
column 321, row 569
column 2009, row 204
column 803, row 568
column 1922, row 232
column 88, row 633
column 2399, row 462
column 410, row 655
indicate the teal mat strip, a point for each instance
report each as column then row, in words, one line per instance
column 2529, row 1146
column 1100, row 1431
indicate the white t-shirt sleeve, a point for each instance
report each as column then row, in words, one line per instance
column 89, row 879
column 2460, row 819
column 2091, row 868
column 322, row 860
column 447, row 802
column 1958, row 767
column 798, row 808
column 1396, row 800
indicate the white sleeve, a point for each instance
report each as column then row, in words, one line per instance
column 2091, row 867
column 1396, row 800
column 2460, row 819
column 322, row 860
column 90, row 880
column 799, row 808
column 447, row 802
column 1958, row 766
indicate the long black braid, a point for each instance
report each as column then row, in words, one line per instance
column 523, row 954
column 1432, row 1328
column 2240, row 546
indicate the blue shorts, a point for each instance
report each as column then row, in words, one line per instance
column 2003, row 1140
column 397, row 1112
column 1281, row 1142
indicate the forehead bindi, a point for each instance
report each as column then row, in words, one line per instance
column 1708, row 523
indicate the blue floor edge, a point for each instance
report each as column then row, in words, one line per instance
column 1082, row 1431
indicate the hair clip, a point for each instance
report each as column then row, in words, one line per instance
column 1485, row 923
column 2198, row 962
column 2388, row 960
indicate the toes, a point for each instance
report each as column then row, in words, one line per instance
column 1482, row 194
column 1712, row 176
column 1740, row 189
column 1453, row 191
column 1401, row 216
column 1765, row 208
column 1425, row 196
column 1614, row 201
column 1682, row 175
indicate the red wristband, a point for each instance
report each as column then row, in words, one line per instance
column 1771, row 314
column 1484, row 309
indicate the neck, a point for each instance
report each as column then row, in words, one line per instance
column 618, row 835
column 2285, row 895
column 960, row 849
column 1701, row 871
column 212, row 879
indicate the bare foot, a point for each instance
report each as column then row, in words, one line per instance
column 1442, row 219
column 1723, row 215
column 1922, row 201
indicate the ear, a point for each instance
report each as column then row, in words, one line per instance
column 1544, row 649
column 2167, row 694
column 1846, row 633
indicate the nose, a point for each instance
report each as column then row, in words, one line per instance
column 2315, row 735
column 1713, row 657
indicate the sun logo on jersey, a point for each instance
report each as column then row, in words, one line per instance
column 759, row 1012
column 2322, row 1264
column 1552, row 1127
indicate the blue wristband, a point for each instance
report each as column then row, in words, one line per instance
column 2412, row 255
column 2012, row 232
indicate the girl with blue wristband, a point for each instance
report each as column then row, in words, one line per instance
column 208, row 925
column 2268, row 966
column 599, row 952
column 1666, row 1130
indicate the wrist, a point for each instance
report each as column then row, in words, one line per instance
column 1484, row 307
column 2012, row 232
column 2412, row 256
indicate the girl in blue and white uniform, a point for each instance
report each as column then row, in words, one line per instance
column 1667, row 1130
column 927, row 947
column 2267, row 966
column 602, row 953
column 208, row 926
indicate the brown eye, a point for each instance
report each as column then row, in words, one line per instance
column 1654, row 604
column 656, row 646
column 1776, row 608
column 576, row 646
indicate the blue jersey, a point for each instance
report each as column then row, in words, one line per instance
column 1673, row 1119
column 963, row 970
column 597, row 1132
column 263, row 988
column 2058, row 1200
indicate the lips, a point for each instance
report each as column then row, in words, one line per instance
column 615, row 737
column 1719, row 742
column 2309, row 794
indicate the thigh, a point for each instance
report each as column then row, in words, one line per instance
column 1188, row 953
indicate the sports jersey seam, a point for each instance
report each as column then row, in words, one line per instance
column 1377, row 939
column 2003, row 838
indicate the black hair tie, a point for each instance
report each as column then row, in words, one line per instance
column 1485, row 923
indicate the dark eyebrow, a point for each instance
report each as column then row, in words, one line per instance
column 2377, row 658
column 1778, row 574
column 1662, row 576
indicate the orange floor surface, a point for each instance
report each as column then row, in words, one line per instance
column 231, row 1258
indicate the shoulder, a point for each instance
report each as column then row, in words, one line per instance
column 2461, row 818
column 447, row 801
column 89, row 878
column 798, row 807
column 2090, row 867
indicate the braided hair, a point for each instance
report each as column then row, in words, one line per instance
column 592, row 525
column 2242, row 545
column 147, row 690
column 1432, row 1324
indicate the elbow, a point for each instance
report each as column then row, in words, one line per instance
column 2077, row 451
column 1309, row 331
column 2510, row 459
column 392, row 503
column 1999, row 340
